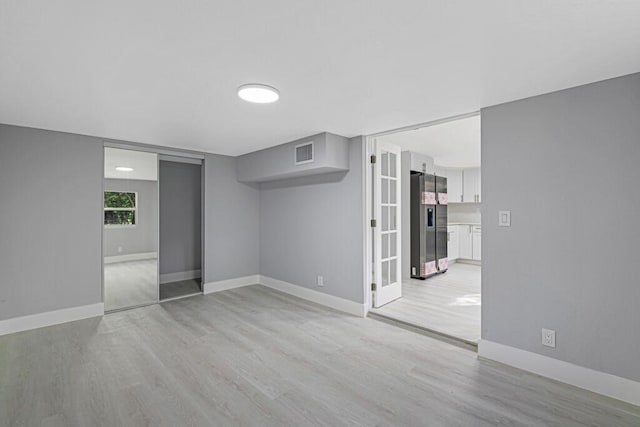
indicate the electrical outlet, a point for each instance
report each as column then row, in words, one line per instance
column 549, row 338
column 119, row 249
column 320, row 281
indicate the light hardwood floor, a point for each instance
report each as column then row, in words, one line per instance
column 131, row 283
column 448, row 303
column 253, row 356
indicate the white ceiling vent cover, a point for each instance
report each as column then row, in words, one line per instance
column 304, row 153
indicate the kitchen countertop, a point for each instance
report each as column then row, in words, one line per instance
column 463, row 223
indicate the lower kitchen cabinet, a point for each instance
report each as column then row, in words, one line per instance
column 476, row 243
column 453, row 247
column 465, row 242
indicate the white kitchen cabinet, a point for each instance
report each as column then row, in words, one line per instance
column 476, row 243
column 422, row 163
column 440, row 171
column 465, row 242
column 471, row 185
column 469, row 242
column 454, row 185
column 453, row 243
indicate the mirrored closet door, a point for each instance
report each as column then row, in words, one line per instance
column 130, row 232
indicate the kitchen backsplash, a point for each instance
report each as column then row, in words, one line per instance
column 464, row 212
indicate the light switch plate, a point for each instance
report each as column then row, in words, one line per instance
column 504, row 218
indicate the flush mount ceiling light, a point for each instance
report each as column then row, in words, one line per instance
column 124, row 169
column 259, row 94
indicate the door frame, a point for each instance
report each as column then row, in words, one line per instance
column 367, row 175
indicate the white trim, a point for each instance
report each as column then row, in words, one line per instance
column 149, row 148
column 469, row 261
column 179, row 159
column 426, row 124
column 130, row 257
column 224, row 285
column 49, row 318
column 180, row 275
column 337, row 303
column 368, row 215
column 589, row 379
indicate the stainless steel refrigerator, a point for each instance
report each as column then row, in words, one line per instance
column 428, row 225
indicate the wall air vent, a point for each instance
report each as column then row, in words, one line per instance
column 304, row 153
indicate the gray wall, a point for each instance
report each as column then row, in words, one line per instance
column 231, row 222
column 180, row 217
column 52, row 259
column 143, row 237
column 312, row 226
column 566, row 164
column 50, row 221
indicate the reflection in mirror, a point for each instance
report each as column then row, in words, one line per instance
column 130, row 235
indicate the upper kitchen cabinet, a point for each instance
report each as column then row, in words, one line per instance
column 421, row 163
column 454, row 185
column 471, row 186
column 440, row 171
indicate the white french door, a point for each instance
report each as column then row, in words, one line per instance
column 386, row 208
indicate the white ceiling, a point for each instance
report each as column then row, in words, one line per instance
column 452, row 144
column 145, row 165
column 166, row 71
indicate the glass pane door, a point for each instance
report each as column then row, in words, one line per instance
column 387, row 235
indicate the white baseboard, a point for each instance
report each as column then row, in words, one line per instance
column 340, row 304
column 49, row 318
column 589, row 379
column 130, row 257
column 468, row 261
column 224, row 285
column 180, row 275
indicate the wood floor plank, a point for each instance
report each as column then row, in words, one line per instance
column 257, row 357
column 448, row 303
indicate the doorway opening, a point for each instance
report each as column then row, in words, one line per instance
column 425, row 191
column 180, row 263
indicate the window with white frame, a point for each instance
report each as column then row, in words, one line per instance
column 120, row 208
